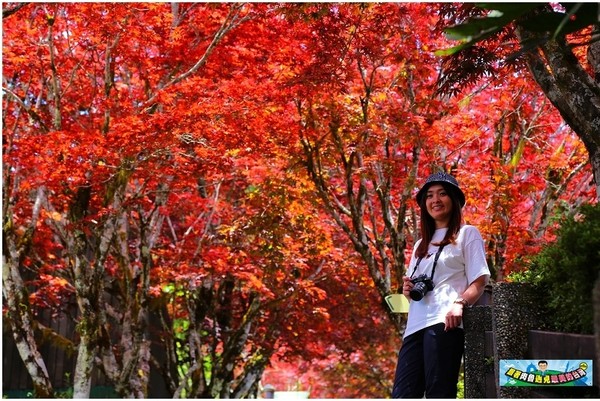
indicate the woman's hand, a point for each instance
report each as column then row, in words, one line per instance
column 407, row 286
column 454, row 316
column 469, row 297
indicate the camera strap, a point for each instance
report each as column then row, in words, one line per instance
column 437, row 256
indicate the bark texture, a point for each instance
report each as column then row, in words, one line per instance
column 572, row 90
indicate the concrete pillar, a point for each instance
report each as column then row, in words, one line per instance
column 515, row 312
column 478, row 362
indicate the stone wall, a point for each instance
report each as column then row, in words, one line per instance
column 478, row 359
column 516, row 311
column 506, row 330
column 507, row 321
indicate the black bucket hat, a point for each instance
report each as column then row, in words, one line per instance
column 441, row 178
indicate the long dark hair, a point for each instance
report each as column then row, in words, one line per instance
column 428, row 224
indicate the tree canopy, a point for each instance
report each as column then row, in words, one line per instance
column 234, row 184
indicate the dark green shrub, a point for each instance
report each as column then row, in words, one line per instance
column 564, row 272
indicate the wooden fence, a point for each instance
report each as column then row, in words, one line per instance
column 60, row 363
column 16, row 382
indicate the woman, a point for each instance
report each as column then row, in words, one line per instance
column 450, row 269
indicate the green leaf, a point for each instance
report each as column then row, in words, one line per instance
column 468, row 42
column 473, row 28
column 561, row 23
column 567, row 18
column 578, row 16
column 453, row 50
column 585, row 14
column 546, row 22
column 513, row 9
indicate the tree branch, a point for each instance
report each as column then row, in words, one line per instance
column 7, row 12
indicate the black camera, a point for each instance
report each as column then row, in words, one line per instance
column 422, row 285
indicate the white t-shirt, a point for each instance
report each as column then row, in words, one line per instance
column 458, row 266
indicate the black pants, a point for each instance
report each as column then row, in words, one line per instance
column 429, row 363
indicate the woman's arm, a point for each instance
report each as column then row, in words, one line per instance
column 470, row 296
column 475, row 290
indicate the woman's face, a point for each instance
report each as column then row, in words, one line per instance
column 439, row 205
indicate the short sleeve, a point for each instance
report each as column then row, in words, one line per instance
column 474, row 254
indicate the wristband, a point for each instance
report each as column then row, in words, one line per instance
column 462, row 301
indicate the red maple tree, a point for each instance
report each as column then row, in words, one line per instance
column 236, row 181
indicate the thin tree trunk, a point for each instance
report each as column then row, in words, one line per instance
column 19, row 314
column 82, row 380
column 22, row 327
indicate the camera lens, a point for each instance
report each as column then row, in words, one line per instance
column 418, row 291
